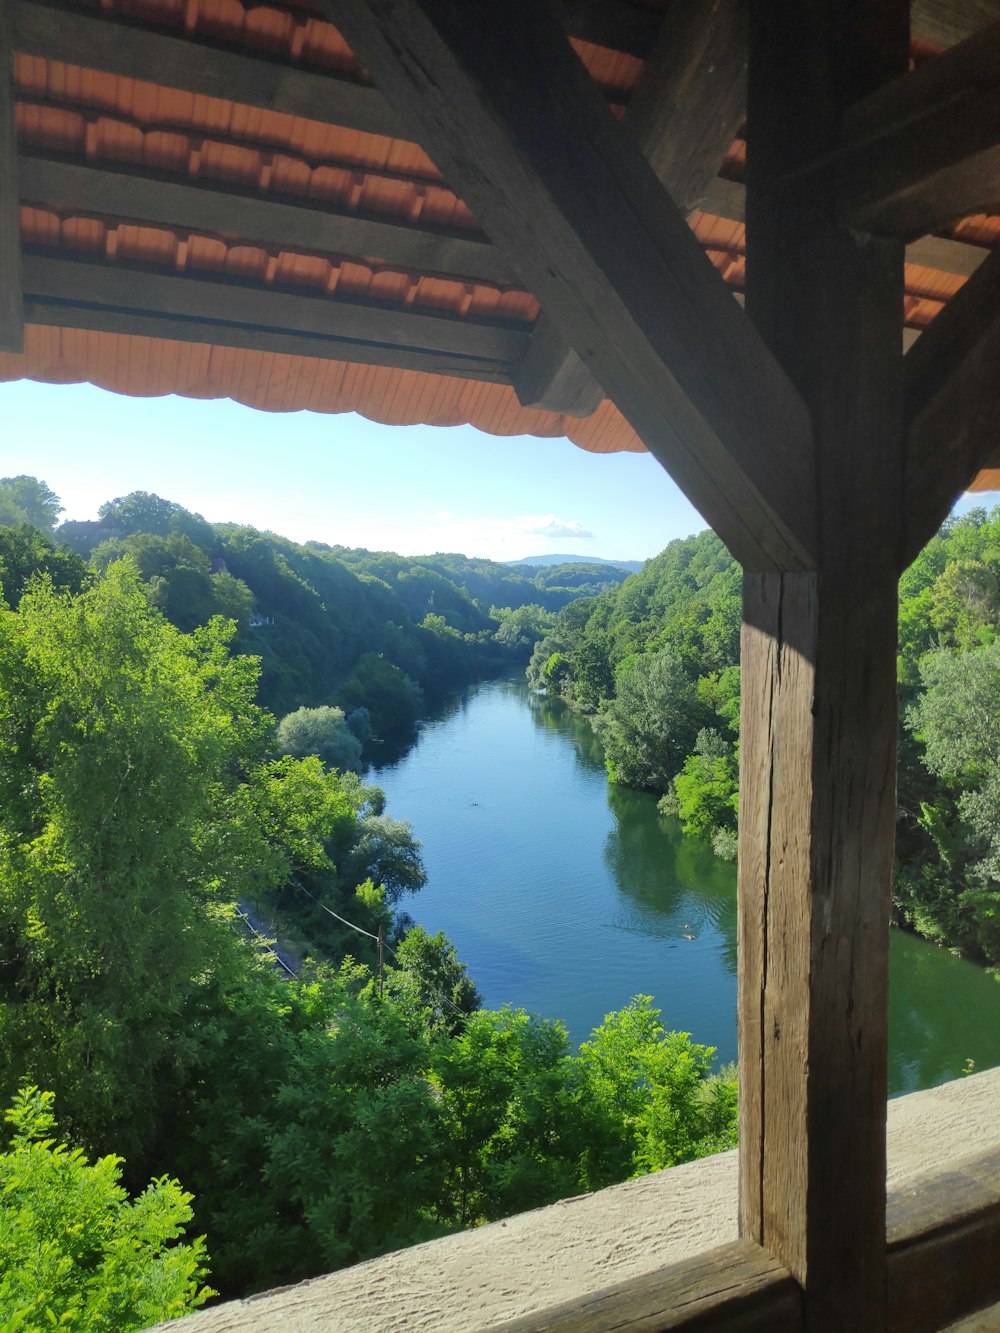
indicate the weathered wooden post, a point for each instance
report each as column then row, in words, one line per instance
column 818, row 681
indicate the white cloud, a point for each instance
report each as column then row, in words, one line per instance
column 496, row 538
column 549, row 525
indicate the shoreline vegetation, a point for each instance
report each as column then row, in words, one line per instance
column 145, row 789
column 654, row 664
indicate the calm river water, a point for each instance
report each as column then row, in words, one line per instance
column 567, row 896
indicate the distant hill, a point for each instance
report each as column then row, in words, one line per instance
column 538, row 561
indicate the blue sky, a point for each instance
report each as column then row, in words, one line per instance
column 342, row 479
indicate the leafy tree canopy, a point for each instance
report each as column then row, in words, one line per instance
column 27, row 500
column 75, row 1251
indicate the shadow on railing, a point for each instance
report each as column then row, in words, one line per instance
column 661, row 1252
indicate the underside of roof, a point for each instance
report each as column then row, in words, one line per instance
column 216, row 201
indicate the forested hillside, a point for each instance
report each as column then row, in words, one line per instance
column 360, row 629
column 326, row 1099
column 655, row 663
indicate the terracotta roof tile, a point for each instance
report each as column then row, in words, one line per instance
column 82, row 115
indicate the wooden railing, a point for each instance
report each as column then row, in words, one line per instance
column 944, row 1262
column 591, row 1263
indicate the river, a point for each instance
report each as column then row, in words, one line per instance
column 566, row 896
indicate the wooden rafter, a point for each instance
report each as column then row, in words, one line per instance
column 293, row 223
column 555, row 179
column 134, row 51
column 136, row 300
column 686, row 108
column 139, row 51
column 11, row 314
column 947, row 22
column 952, row 404
column 727, row 199
column 926, row 148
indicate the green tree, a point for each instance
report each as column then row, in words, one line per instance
column 75, row 1251
column 655, row 1086
column 25, row 554
column 385, row 851
column 323, row 732
column 706, row 790
column 511, row 1120
column 651, row 724
column 429, row 978
column 124, row 837
column 27, row 500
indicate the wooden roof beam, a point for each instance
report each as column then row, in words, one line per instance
column 727, row 199
column 689, row 103
column 133, row 51
column 952, row 404
column 497, row 97
column 111, row 191
column 947, row 22
column 925, row 148
column 143, row 301
column 11, row 317
column 253, row 78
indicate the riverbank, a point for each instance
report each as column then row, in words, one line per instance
column 567, row 896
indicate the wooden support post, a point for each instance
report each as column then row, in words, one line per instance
column 11, row 316
column 819, row 691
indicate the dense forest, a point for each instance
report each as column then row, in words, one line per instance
column 229, row 1059
column 363, row 629
column 655, row 664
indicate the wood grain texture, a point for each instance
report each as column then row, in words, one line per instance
column 731, row 1289
column 138, row 52
column 158, row 295
column 529, row 144
column 948, row 22
column 132, row 50
column 285, row 221
column 552, row 377
column 925, row 148
column 818, row 737
column 11, row 317
column 210, row 333
column 952, row 404
column 944, row 1242
column 687, row 106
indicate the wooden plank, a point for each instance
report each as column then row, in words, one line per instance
column 497, row 97
column 552, row 377
column 731, row 1289
column 212, row 333
column 137, row 52
column 124, row 287
column 818, row 669
column 926, row 148
column 944, row 1239
column 285, row 221
column 689, row 102
column 948, row 22
column 727, row 199
column 691, row 98
column 11, row 321
column 952, row 404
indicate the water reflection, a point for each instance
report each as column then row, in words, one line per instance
column 567, row 897
column 678, row 889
